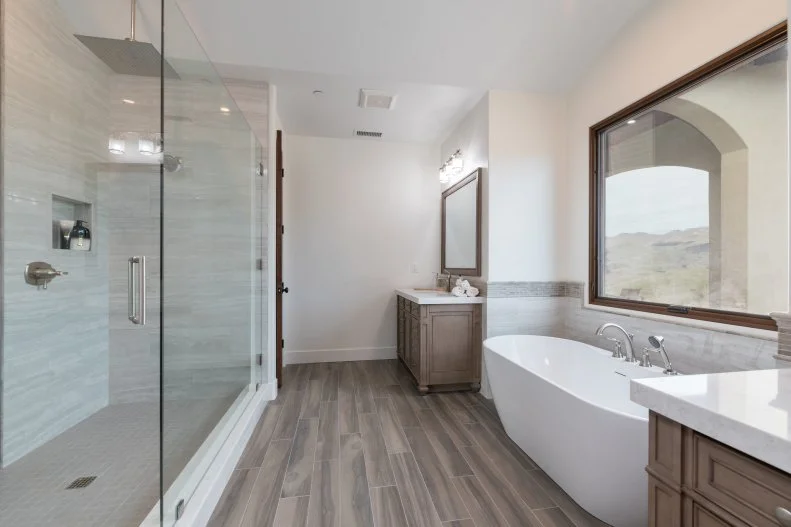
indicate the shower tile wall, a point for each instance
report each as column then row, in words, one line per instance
column 55, row 363
column 130, row 195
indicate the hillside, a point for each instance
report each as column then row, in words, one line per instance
column 669, row 268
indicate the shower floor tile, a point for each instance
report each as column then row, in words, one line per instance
column 120, row 446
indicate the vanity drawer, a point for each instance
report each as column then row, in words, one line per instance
column 745, row 487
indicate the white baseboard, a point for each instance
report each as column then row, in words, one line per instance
column 207, row 495
column 338, row 355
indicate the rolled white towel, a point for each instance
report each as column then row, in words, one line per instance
column 472, row 291
column 460, row 281
column 458, row 291
column 464, row 285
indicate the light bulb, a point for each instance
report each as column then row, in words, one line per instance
column 457, row 162
column 146, row 145
column 117, row 144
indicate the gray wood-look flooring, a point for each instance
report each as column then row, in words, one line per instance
column 353, row 444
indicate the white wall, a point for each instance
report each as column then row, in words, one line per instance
column 471, row 136
column 526, row 162
column 667, row 41
column 358, row 215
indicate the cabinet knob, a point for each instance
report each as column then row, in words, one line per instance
column 783, row 516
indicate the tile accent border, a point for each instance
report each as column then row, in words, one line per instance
column 783, row 335
column 534, row 289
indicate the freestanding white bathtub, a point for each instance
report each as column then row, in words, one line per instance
column 566, row 404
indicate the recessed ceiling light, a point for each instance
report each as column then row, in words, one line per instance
column 128, row 101
column 631, row 121
column 318, row 93
column 224, row 109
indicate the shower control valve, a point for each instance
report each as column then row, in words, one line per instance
column 40, row 274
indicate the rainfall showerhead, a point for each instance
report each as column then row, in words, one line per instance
column 129, row 56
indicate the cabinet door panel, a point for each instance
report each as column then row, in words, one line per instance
column 400, row 329
column 451, row 347
column 695, row 515
column 664, row 505
column 744, row 487
column 414, row 345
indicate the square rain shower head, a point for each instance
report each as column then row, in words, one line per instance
column 128, row 57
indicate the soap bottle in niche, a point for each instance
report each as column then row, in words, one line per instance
column 80, row 237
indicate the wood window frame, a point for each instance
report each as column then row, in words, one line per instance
column 769, row 38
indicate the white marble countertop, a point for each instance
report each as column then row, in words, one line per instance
column 749, row 411
column 433, row 296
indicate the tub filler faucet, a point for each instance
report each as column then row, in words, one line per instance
column 628, row 341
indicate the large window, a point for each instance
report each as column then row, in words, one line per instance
column 689, row 193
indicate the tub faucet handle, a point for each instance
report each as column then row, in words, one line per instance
column 645, row 361
column 617, row 353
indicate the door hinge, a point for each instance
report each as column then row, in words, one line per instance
column 282, row 229
column 282, row 343
column 283, row 172
column 259, row 359
column 259, row 264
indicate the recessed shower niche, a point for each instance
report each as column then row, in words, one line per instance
column 71, row 224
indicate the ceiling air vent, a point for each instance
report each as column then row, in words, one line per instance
column 376, row 99
column 368, row 133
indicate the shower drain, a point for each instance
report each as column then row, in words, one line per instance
column 81, row 483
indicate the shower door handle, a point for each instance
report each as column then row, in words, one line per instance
column 136, row 290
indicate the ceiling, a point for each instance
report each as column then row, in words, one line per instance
column 438, row 56
column 421, row 112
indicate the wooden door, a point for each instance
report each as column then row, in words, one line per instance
column 281, row 289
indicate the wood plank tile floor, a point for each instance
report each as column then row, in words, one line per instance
column 354, row 445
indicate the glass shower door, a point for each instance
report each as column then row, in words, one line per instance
column 210, row 279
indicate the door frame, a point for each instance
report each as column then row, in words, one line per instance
column 279, row 174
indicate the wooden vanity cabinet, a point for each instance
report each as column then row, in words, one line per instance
column 695, row 481
column 440, row 344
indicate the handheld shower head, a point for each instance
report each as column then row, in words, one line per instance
column 656, row 341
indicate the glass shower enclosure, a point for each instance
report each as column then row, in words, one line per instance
column 133, row 221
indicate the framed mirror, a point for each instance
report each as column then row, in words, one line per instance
column 461, row 226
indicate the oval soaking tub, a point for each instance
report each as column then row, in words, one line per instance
column 566, row 404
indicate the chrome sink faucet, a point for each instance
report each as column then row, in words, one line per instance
column 658, row 344
column 628, row 341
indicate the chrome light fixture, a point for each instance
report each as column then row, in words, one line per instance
column 452, row 167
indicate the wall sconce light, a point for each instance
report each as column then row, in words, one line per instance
column 452, row 167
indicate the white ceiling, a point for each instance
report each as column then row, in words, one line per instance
column 438, row 56
column 421, row 113
column 540, row 45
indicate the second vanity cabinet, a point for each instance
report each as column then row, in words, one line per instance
column 695, row 481
column 440, row 344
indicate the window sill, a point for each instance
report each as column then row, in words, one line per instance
column 763, row 334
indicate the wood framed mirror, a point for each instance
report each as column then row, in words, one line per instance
column 461, row 226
